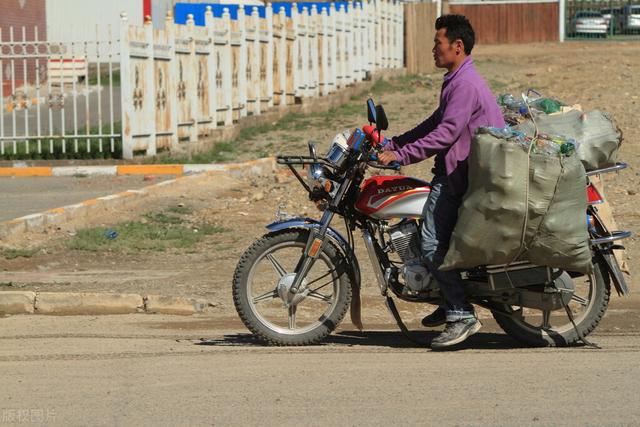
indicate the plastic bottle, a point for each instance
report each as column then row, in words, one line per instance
column 567, row 148
column 548, row 106
column 514, row 104
column 547, row 147
column 503, row 133
column 522, row 140
column 510, row 101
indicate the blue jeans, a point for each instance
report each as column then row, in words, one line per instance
column 440, row 216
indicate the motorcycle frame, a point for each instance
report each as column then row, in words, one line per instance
column 602, row 243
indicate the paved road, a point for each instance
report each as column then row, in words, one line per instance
column 155, row 370
column 24, row 196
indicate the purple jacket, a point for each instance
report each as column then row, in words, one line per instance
column 466, row 103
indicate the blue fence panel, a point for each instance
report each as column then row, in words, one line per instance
column 181, row 10
column 279, row 5
column 308, row 4
column 262, row 11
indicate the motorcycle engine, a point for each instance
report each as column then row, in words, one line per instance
column 405, row 241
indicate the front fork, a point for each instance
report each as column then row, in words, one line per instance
column 315, row 243
column 317, row 240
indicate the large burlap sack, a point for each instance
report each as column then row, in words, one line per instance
column 597, row 135
column 510, row 192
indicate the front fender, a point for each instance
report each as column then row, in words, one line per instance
column 343, row 245
column 334, row 235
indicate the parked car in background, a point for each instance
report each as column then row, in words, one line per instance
column 589, row 22
column 613, row 17
column 631, row 18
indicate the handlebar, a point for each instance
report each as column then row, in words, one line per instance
column 378, row 141
column 392, row 165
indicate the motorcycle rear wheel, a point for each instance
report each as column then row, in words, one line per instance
column 267, row 266
column 525, row 328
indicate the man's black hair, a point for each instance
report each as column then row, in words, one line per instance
column 458, row 27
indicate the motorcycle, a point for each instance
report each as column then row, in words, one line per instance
column 294, row 285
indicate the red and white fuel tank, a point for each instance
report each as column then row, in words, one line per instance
column 386, row 197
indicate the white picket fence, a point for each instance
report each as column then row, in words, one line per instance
column 176, row 85
column 180, row 83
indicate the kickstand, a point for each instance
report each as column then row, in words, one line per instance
column 582, row 338
column 403, row 328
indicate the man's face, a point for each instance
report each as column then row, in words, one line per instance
column 445, row 54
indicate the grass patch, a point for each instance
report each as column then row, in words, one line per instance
column 104, row 78
column 345, row 111
column 163, row 218
column 135, row 236
column 497, row 85
column 289, row 138
column 160, row 231
column 221, row 152
column 293, row 121
column 180, row 210
column 17, row 253
column 404, row 84
column 208, row 229
column 226, row 151
column 381, row 86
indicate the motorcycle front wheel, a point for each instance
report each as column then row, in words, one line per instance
column 261, row 285
column 553, row 328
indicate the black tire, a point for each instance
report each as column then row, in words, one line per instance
column 566, row 335
column 260, row 326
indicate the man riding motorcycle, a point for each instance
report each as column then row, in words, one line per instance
column 466, row 103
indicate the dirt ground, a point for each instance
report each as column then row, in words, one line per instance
column 599, row 75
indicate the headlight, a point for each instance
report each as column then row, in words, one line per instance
column 337, row 155
column 315, row 172
column 317, row 178
column 338, row 151
column 320, row 186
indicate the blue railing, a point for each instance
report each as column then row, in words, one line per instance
column 198, row 10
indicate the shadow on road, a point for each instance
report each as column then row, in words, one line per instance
column 390, row 339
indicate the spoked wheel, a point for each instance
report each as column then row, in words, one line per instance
column 261, row 286
column 553, row 328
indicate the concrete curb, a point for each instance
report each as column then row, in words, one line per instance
column 177, row 170
column 39, row 222
column 68, row 303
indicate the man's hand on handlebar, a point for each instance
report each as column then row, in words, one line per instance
column 387, row 157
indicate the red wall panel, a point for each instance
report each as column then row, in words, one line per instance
column 19, row 14
column 511, row 22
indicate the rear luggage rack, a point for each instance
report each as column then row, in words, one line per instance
column 523, row 273
column 615, row 235
column 618, row 167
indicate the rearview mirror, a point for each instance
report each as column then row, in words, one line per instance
column 382, row 123
column 312, row 150
column 371, row 111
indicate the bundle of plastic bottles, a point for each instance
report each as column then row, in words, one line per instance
column 515, row 110
column 550, row 145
